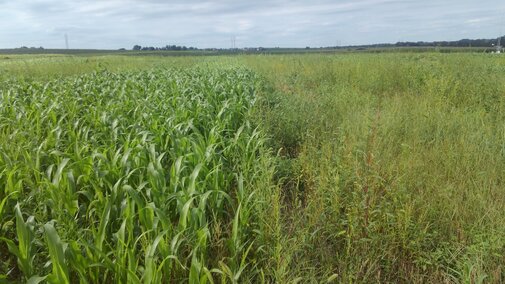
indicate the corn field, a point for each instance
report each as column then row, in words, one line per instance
column 131, row 177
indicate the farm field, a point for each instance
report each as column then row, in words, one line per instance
column 310, row 168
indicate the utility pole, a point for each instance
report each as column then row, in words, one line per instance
column 233, row 42
column 66, row 41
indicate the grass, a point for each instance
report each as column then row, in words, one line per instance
column 398, row 162
column 311, row 168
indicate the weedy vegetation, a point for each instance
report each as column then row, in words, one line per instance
column 347, row 168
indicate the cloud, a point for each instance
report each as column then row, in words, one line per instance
column 123, row 23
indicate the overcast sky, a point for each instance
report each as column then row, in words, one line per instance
column 111, row 24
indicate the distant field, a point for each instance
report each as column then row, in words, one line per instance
column 350, row 167
column 94, row 52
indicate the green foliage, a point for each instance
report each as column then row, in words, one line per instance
column 391, row 166
column 142, row 177
column 354, row 168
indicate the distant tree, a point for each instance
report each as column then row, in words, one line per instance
column 166, row 47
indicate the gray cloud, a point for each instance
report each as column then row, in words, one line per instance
column 123, row 23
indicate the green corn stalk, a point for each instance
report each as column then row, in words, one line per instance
column 24, row 250
column 56, row 249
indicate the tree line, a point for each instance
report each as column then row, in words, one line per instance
column 458, row 43
column 166, row 47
